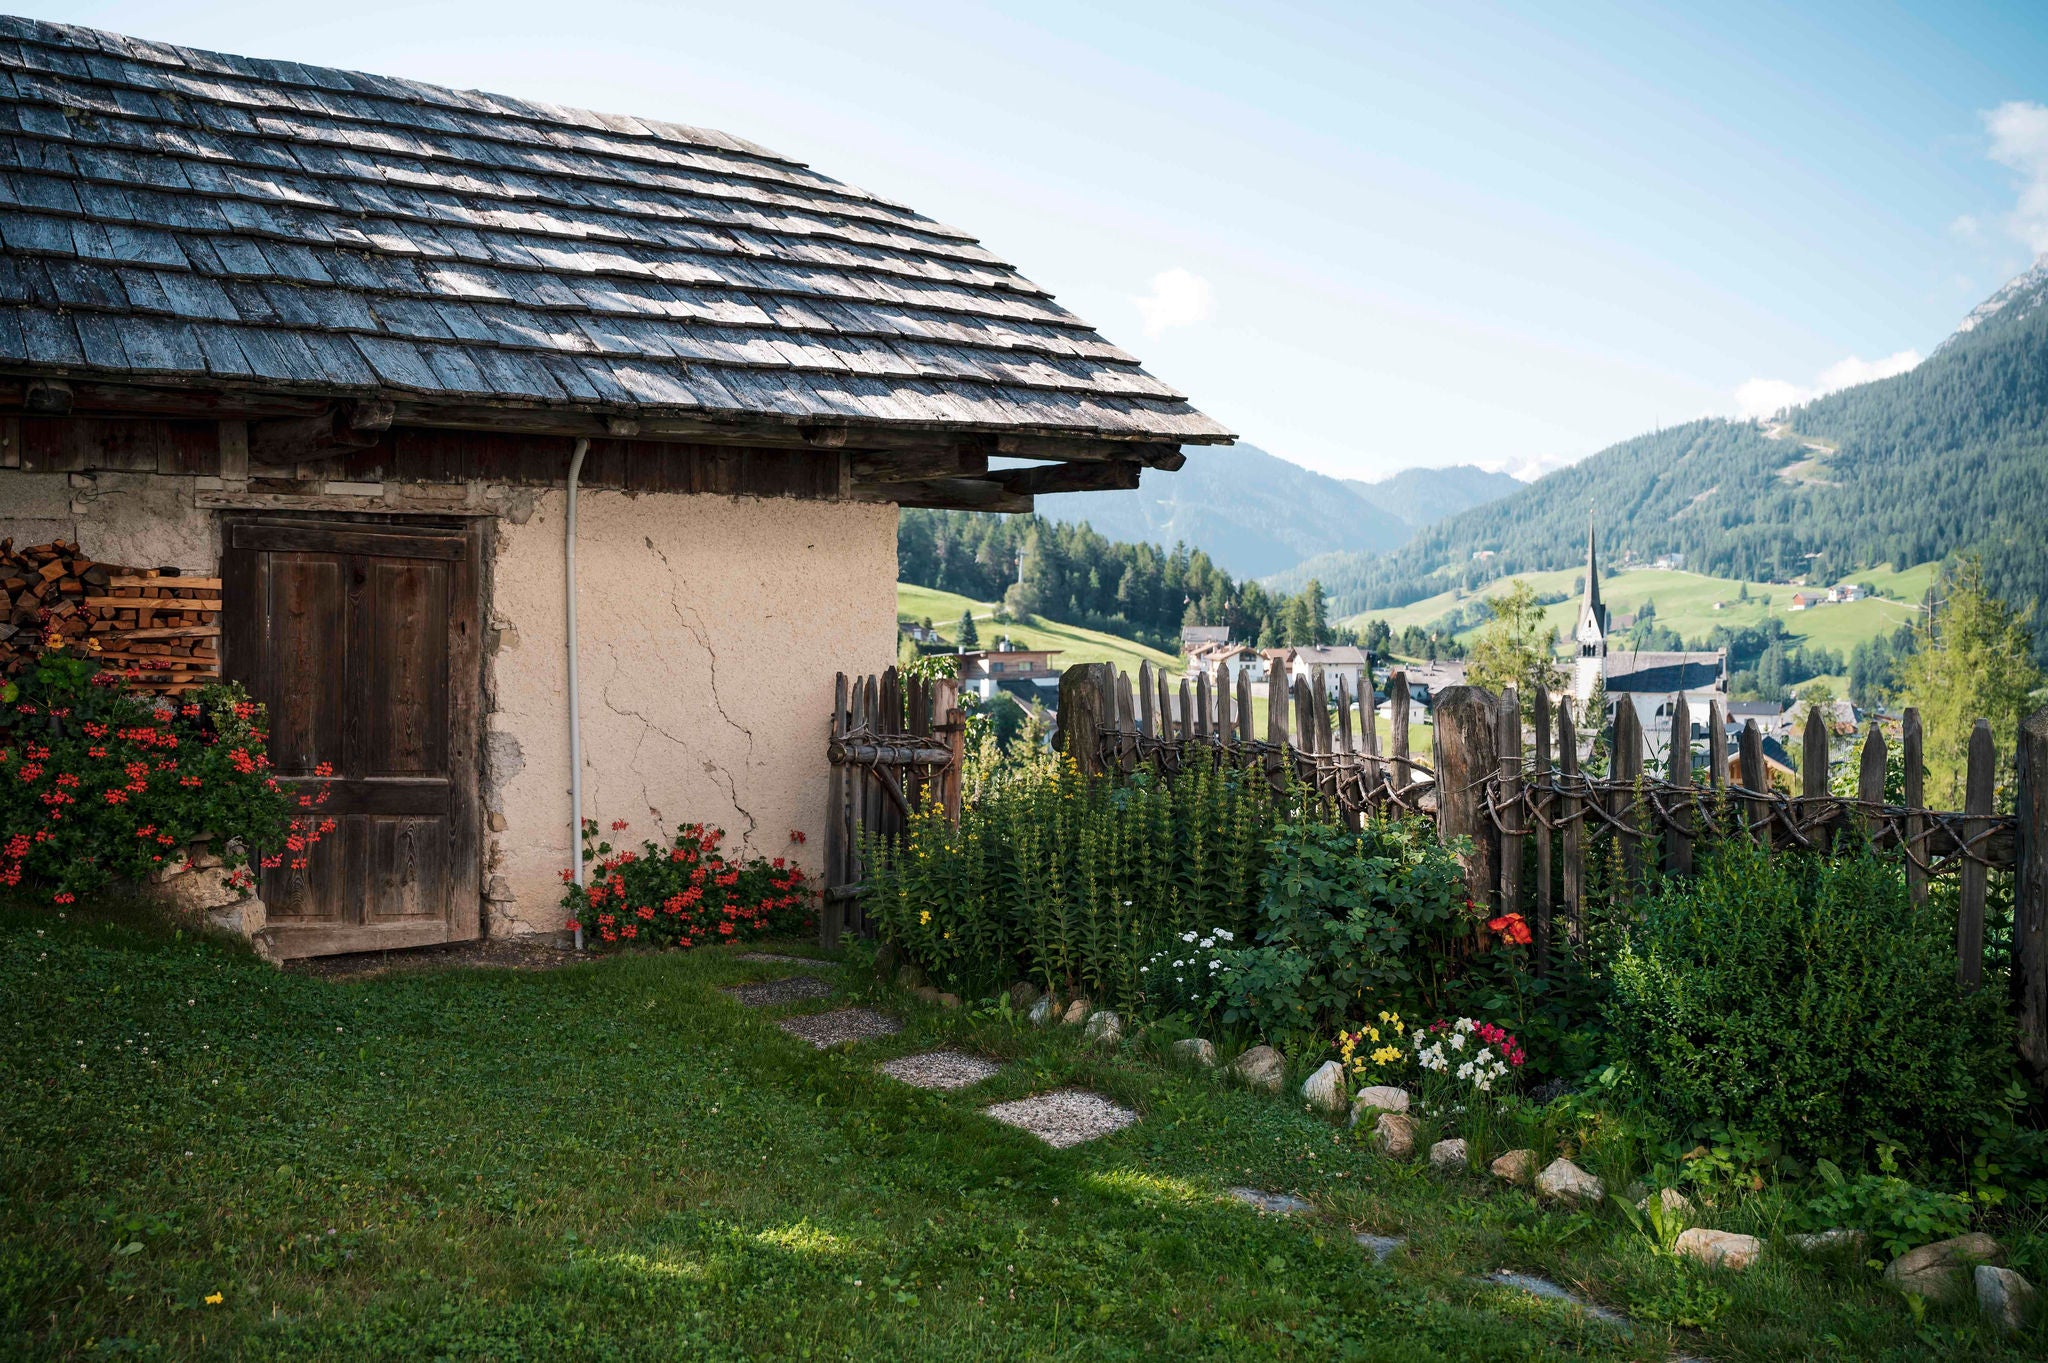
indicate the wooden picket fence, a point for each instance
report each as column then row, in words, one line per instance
column 896, row 744
column 1503, row 785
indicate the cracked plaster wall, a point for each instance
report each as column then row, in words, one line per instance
column 711, row 628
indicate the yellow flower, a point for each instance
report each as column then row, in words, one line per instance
column 1386, row 1055
column 948, row 936
column 214, row 1299
column 923, row 916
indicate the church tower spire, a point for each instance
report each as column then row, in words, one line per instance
column 1590, row 634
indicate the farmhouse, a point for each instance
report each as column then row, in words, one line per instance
column 477, row 429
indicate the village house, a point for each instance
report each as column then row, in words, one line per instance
column 482, row 432
column 1193, row 637
column 1026, row 673
column 1351, row 664
column 1224, row 663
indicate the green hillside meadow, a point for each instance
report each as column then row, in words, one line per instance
column 1075, row 645
column 1686, row 603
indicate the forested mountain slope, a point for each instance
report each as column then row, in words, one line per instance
column 1251, row 512
column 1950, row 456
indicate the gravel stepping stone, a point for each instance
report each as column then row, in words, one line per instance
column 941, row 1070
column 794, row 989
column 1380, row 1245
column 1280, row 1204
column 842, row 1024
column 1550, row 1291
column 1064, row 1117
column 774, row 959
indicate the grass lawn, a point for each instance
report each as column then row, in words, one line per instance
column 203, row 1157
column 1685, row 602
column 1075, row 645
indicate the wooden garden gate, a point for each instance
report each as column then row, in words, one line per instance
column 896, row 744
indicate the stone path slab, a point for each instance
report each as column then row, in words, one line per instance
column 843, row 1024
column 1280, row 1204
column 774, row 959
column 794, row 989
column 1380, row 1245
column 941, row 1070
column 1550, row 1291
column 1064, row 1117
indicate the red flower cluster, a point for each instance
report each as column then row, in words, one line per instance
column 1500, row 1038
column 100, row 782
column 1512, row 929
column 684, row 893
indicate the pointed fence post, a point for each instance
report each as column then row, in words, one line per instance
column 1508, row 788
column 1813, row 777
column 1717, row 747
column 1192, row 721
column 1205, row 721
column 1217, row 706
column 1171, row 721
column 1467, row 761
column 1397, row 702
column 1277, row 697
column 1348, row 801
column 1625, row 770
column 1572, row 815
column 2030, row 895
column 1246, row 734
column 952, row 727
column 1147, row 721
column 1543, row 849
column 1678, row 841
column 1751, row 759
column 1080, row 717
column 1369, row 730
column 1910, row 742
column 1977, row 796
column 1870, row 781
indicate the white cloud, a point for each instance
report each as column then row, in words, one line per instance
column 2019, row 140
column 1965, row 227
column 1179, row 298
column 1762, row 397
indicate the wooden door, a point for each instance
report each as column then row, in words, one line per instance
column 361, row 640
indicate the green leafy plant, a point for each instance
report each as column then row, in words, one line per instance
column 1073, row 881
column 101, row 782
column 1898, row 1214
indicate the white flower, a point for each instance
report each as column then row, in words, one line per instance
column 1458, row 1041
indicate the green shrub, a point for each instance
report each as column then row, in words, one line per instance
column 1804, row 999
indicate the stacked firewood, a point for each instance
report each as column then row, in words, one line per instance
column 159, row 626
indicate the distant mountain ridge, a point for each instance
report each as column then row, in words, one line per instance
column 1949, row 456
column 1424, row 496
column 1255, row 513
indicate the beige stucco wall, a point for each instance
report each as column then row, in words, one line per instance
column 711, row 628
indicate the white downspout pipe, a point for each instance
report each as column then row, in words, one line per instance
column 575, row 713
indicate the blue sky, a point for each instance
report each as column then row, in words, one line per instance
column 1366, row 236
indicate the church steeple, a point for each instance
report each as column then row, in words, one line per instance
column 1591, row 631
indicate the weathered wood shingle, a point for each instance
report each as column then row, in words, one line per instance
column 166, row 212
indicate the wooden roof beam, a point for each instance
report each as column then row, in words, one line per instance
column 1076, row 477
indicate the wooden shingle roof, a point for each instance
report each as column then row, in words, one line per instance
column 172, row 214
